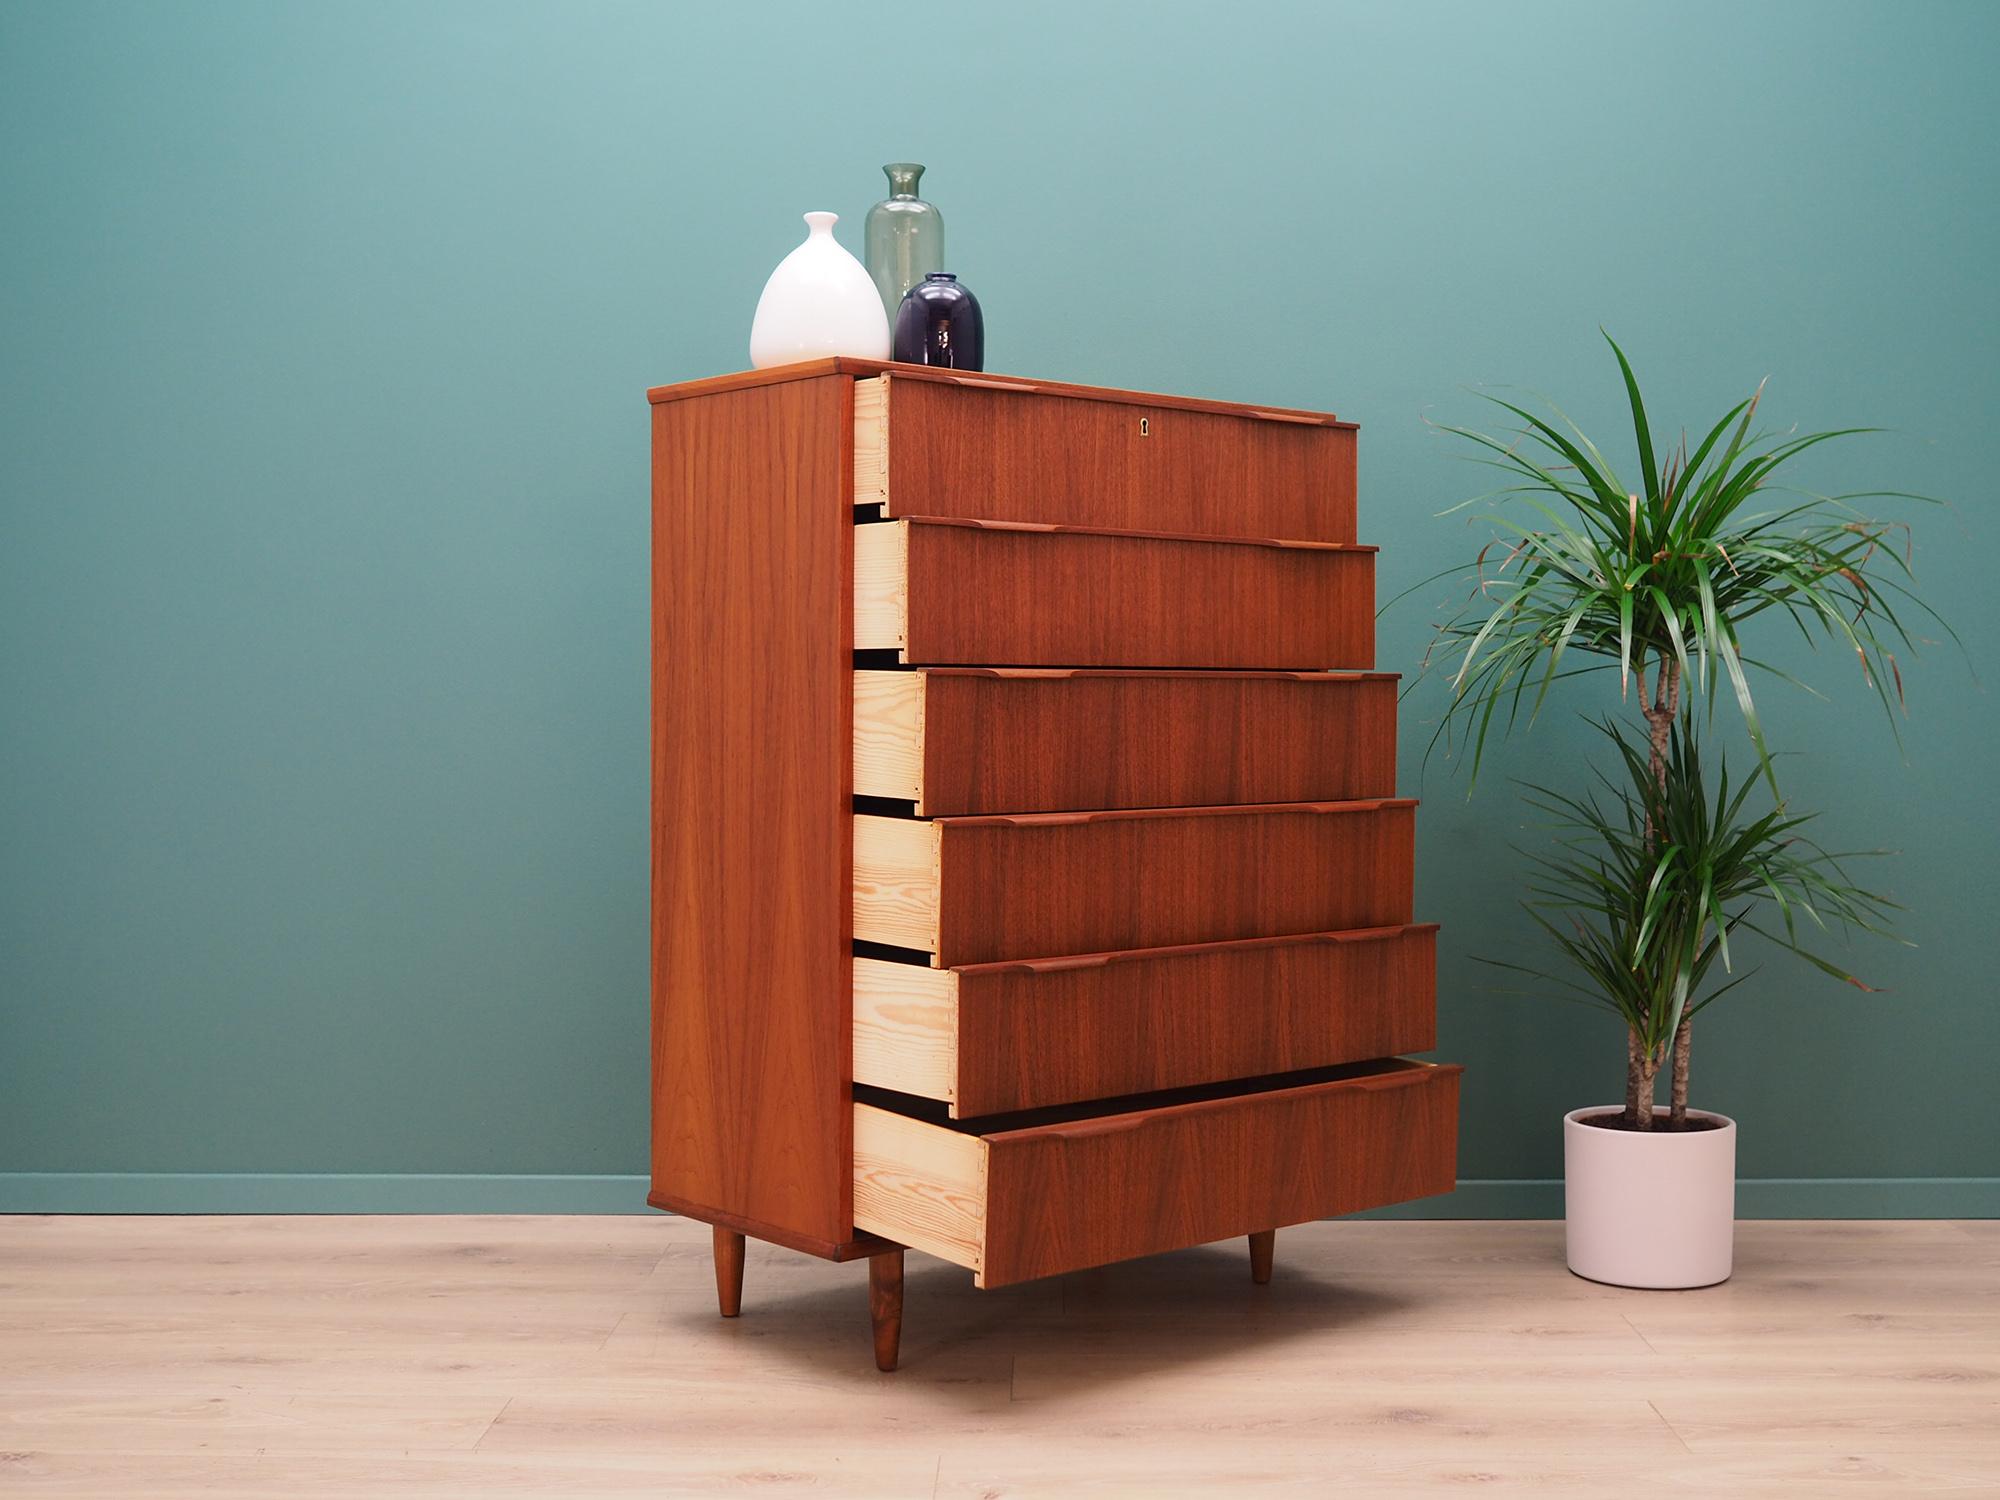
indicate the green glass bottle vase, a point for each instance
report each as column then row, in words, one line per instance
column 904, row 237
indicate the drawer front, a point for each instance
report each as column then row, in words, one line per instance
column 977, row 890
column 948, row 592
column 978, row 740
column 994, row 452
column 997, row 1037
column 1040, row 1195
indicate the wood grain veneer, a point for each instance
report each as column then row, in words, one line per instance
column 1010, row 452
column 971, row 740
column 862, row 369
column 1052, row 1191
column 989, row 1038
column 947, row 591
column 976, row 890
column 752, row 755
column 1066, row 1196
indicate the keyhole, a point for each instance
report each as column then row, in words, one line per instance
column 1145, row 427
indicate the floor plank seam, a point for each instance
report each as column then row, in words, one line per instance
column 1671, row 1428
column 492, row 1422
column 612, row 1332
column 1639, row 1332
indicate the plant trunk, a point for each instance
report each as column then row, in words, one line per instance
column 1639, row 1070
column 1678, row 1111
column 1660, row 715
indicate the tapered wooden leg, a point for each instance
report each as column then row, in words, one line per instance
column 729, row 1271
column 1261, row 1245
column 885, row 1305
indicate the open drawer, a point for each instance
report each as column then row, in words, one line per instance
column 989, row 593
column 1042, row 885
column 1058, row 1190
column 969, row 740
column 990, row 1038
column 1006, row 449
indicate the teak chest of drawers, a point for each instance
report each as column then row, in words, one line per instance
column 1029, row 883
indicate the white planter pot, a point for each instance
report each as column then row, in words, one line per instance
column 819, row 301
column 1649, row 1208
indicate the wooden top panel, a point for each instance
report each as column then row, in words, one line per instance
column 844, row 365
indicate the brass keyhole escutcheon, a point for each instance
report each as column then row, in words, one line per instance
column 1145, row 427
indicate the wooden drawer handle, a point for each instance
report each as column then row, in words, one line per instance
column 995, row 385
column 1084, row 1130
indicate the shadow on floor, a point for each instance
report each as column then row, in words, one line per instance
column 1172, row 1312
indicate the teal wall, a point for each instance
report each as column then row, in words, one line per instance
column 325, row 329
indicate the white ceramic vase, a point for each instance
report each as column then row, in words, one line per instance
column 1649, row 1208
column 820, row 301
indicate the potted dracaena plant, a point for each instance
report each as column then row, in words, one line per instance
column 1653, row 869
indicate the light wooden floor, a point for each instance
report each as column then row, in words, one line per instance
column 313, row 1357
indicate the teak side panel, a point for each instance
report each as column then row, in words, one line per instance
column 751, row 681
column 1060, row 1198
column 1001, row 742
column 996, row 596
column 1035, row 1034
column 1011, row 455
column 1040, row 887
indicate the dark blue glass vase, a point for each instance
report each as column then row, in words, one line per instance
column 940, row 324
